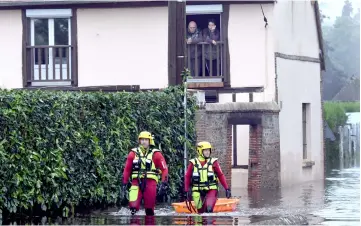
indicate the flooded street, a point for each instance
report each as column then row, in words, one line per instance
column 342, row 198
column 335, row 201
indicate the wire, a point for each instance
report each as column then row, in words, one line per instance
column 264, row 18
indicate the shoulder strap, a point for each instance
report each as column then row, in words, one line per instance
column 134, row 150
column 193, row 161
column 155, row 150
column 213, row 160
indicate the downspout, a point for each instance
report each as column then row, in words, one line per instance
column 265, row 54
column 185, row 102
column 185, row 127
column 266, row 63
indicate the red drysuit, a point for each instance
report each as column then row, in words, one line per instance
column 150, row 192
column 210, row 198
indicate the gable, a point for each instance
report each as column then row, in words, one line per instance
column 350, row 92
column 319, row 32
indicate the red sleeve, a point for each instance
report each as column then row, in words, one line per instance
column 161, row 164
column 188, row 177
column 217, row 169
column 128, row 167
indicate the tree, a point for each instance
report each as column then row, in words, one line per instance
column 345, row 40
column 342, row 50
column 347, row 9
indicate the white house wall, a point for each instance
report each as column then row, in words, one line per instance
column 11, row 49
column 251, row 47
column 295, row 28
column 291, row 30
column 123, row 46
column 298, row 82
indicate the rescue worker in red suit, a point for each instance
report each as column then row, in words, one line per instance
column 144, row 165
column 201, row 179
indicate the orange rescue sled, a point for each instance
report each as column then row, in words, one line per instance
column 222, row 205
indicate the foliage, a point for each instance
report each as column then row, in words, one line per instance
column 332, row 154
column 350, row 106
column 342, row 50
column 59, row 150
column 335, row 113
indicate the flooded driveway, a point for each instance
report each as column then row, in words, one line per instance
column 335, row 201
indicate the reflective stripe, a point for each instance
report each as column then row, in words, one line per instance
column 144, row 161
column 203, row 177
column 133, row 193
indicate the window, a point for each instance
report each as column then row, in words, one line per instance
column 204, row 59
column 211, row 96
column 50, row 47
column 305, row 128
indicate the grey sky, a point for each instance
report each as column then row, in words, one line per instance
column 333, row 8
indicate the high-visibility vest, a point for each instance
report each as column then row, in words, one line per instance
column 143, row 165
column 203, row 177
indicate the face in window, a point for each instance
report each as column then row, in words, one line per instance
column 192, row 26
column 144, row 142
column 211, row 26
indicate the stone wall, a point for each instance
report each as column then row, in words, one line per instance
column 214, row 124
column 215, row 129
column 270, row 152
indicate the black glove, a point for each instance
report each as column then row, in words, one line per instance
column 189, row 196
column 123, row 192
column 163, row 188
column 228, row 193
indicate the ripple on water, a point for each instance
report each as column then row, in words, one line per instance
column 335, row 201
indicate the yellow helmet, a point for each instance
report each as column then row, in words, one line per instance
column 202, row 146
column 147, row 135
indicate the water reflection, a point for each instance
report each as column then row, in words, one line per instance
column 333, row 201
column 342, row 197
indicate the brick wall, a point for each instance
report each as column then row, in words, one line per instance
column 270, row 152
column 255, row 145
column 228, row 160
column 201, row 125
column 214, row 128
column 264, row 156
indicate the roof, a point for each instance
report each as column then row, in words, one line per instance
column 319, row 33
column 328, row 132
column 9, row 3
column 22, row 3
column 350, row 91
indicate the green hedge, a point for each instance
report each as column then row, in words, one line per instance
column 335, row 113
column 335, row 116
column 59, row 150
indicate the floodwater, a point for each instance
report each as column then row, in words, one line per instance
column 335, row 201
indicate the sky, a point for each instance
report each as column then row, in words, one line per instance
column 333, row 8
column 353, row 117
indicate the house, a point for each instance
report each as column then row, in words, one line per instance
column 349, row 92
column 269, row 51
column 328, row 132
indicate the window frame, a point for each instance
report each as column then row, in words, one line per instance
column 223, row 11
column 28, row 16
column 306, row 130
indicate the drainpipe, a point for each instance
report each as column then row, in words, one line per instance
column 265, row 54
column 185, row 127
column 185, row 102
column 266, row 63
